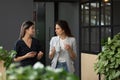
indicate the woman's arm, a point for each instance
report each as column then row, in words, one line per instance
column 72, row 50
column 18, row 59
column 52, row 49
column 72, row 54
column 52, row 52
column 28, row 55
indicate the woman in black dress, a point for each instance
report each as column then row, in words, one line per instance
column 27, row 47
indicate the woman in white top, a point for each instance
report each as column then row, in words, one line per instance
column 63, row 48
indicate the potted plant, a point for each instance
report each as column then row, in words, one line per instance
column 38, row 72
column 108, row 63
column 6, row 56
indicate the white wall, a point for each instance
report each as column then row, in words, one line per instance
column 12, row 14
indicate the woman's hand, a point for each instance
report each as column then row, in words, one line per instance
column 40, row 55
column 68, row 47
column 30, row 54
column 70, row 51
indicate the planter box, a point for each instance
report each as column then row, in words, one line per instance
column 2, row 71
column 87, row 66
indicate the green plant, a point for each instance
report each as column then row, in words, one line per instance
column 38, row 72
column 6, row 56
column 103, row 41
column 108, row 62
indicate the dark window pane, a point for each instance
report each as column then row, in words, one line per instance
column 85, row 14
column 95, row 17
column 105, row 13
column 85, row 39
column 94, row 14
column 95, row 39
column 105, row 33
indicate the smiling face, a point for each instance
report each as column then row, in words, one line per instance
column 31, row 31
column 59, row 31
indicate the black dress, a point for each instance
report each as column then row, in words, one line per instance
column 22, row 49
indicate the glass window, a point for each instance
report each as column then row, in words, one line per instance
column 85, row 39
column 95, row 39
column 96, row 28
column 94, row 14
column 85, row 14
column 105, row 32
column 105, row 14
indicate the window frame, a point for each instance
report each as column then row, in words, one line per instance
column 90, row 27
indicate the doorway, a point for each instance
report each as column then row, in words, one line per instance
column 47, row 13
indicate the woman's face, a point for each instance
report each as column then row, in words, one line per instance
column 58, row 30
column 31, row 31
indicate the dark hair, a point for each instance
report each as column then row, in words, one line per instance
column 25, row 25
column 64, row 25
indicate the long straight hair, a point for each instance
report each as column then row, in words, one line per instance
column 64, row 25
column 25, row 25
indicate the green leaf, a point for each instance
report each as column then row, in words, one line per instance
column 112, row 59
column 118, row 50
column 106, row 63
column 109, row 40
column 6, row 56
column 116, row 75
